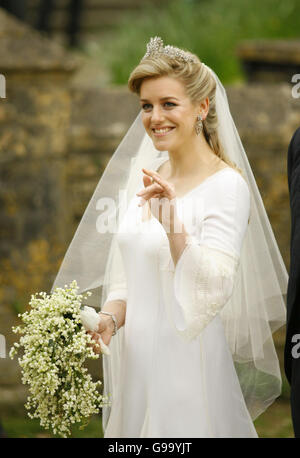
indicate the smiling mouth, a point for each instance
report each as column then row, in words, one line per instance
column 162, row 131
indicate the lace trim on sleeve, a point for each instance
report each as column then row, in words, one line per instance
column 203, row 283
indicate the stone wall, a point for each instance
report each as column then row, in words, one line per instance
column 98, row 16
column 35, row 120
column 100, row 118
column 270, row 61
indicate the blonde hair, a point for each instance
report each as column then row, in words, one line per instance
column 199, row 84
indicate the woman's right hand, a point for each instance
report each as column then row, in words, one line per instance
column 105, row 331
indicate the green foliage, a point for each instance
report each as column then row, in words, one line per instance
column 286, row 389
column 18, row 306
column 275, row 422
column 21, row 427
column 212, row 29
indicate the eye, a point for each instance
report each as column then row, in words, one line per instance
column 170, row 104
column 146, row 106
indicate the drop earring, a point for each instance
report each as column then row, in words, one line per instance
column 199, row 125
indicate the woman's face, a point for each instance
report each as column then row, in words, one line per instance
column 168, row 114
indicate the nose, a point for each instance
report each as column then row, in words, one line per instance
column 156, row 115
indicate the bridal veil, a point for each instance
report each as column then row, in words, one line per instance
column 257, row 306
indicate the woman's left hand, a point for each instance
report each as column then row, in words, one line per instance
column 161, row 198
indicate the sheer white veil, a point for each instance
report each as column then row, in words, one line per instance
column 257, row 306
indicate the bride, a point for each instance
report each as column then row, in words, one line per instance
column 190, row 275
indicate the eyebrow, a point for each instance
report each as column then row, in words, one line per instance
column 163, row 98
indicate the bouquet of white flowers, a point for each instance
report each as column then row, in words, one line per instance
column 56, row 346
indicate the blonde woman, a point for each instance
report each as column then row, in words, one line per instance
column 192, row 279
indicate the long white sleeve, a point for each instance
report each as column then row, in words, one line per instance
column 118, row 292
column 117, row 289
column 205, row 273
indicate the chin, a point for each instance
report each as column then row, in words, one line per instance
column 162, row 145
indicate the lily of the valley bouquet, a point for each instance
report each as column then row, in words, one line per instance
column 55, row 348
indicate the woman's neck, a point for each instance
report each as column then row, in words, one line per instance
column 189, row 159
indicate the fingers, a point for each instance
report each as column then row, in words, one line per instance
column 152, row 189
column 103, row 347
column 96, row 345
column 101, row 342
column 155, row 176
column 149, row 189
column 141, row 202
column 147, row 180
column 149, row 192
column 167, row 187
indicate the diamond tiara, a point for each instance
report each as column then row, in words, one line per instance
column 156, row 47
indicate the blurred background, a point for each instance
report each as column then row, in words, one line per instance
column 66, row 64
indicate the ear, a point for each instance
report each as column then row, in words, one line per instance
column 204, row 107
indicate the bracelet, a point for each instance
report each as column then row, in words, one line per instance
column 114, row 320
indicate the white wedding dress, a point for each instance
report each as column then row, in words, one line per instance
column 172, row 385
